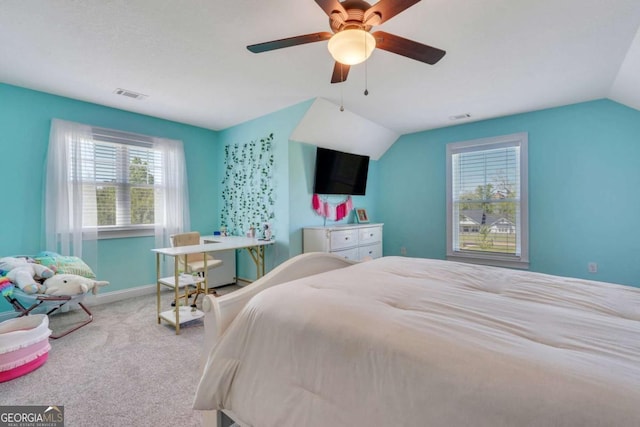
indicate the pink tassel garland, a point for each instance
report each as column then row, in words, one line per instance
column 331, row 211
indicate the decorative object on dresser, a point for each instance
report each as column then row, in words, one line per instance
column 334, row 211
column 351, row 241
column 361, row 216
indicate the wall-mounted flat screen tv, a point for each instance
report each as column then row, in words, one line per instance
column 340, row 173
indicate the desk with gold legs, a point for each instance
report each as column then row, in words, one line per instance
column 178, row 315
column 255, row 247
column 257, row 254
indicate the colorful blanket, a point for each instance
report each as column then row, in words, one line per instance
column 6, row 287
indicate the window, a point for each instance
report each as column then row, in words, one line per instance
column 487, row 214
column 104, row 183
column 119, row 174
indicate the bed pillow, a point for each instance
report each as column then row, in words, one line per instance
column 67, row 265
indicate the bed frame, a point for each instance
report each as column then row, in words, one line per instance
column 220, row 311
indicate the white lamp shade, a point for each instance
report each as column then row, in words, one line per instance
column 351, row 47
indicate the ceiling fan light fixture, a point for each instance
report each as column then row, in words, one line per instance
column 352, row 46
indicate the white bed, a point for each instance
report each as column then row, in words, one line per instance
column 416, row 342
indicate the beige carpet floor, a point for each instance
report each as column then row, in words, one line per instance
column 123, row 369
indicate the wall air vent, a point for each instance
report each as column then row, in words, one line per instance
column 460, row 116
column 129, row 94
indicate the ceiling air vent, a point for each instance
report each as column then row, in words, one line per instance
column 460, row 116
column 129, row 94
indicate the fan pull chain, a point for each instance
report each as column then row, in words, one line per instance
column 366, row 91
column 341, row 91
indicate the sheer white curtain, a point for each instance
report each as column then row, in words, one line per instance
column 172, row 194
column 71, row 211
column 67, row 164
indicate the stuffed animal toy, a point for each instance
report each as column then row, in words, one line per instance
column 23, row 273
column 71, row 284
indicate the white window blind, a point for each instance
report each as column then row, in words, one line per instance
column 105, row 183
column 119, row 174
column 486, row 190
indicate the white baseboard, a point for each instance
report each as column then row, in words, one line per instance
column 113, row 296
column 107, row 298
column 241, row 281
column 101, row 298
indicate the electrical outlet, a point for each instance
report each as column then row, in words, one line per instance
column 592, row 267
column 403, row 251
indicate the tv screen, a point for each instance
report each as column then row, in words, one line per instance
column 340, row 173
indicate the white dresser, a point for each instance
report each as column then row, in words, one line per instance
column 352, row 241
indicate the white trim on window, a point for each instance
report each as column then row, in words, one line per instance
column 108, row 161
column 82, row 160
column 520, row 257
column 106, row 232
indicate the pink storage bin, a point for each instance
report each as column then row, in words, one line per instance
column 24, row 345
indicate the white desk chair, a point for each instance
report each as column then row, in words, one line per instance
column 194, row 263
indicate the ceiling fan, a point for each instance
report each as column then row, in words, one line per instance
column 352, row 41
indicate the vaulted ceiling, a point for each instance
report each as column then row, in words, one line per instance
column 190, row 59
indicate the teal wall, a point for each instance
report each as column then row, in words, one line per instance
column 302, row 159
column 583, row 181
column 25, row 119
column 584, row 177
column 281, row 124
column 293, row 181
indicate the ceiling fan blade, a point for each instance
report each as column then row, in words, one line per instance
column 332, row 5
column 340, row 73
column 409, row 48
column 288, row 42
column 387, row 9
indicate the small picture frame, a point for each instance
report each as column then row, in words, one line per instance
column 361, row 216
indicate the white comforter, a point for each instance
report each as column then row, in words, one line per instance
column 416, row 342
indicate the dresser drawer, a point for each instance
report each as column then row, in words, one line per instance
column 370, row 235
column 351, row 241
column 371, row 251
column 343, row 239
column 352, row 254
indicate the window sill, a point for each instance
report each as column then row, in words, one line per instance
column 492, row 261
column 125, row 232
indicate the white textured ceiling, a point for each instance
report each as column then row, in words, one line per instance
column 348, row 131
column 189, row 57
